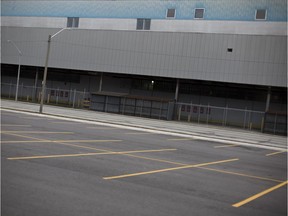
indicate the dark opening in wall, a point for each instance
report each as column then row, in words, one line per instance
column 229, row 49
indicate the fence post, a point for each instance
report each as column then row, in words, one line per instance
column 106, row 104
column 57, row 96
column 245, row 117
column 226, row 115
column 179, row 112
column 160, row 113
column 199, row 113
column 10, row 86
column 249, row 119
column 207, row 112
column 70, row 96
column 190, row 114
column 135, row 104
column 123, row 107
column 275, row 123
column 33, row 94
column 262, row 124
column 23, row 96
column 141, row 108
column 83, row 98
column 74, row 97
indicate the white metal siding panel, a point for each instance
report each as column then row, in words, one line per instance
column 179, row 55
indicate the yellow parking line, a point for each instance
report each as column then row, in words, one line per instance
column 31, row 118
column 85, row 141
column 18, row 135
column 102, row 128
column 259, row 195
column 136, row 133
column 136, row 156
column 274, row 153
column 154, row 159
column 60, row 143
column 24, row 141
column 226, row 146
column 240, row 174
column 169, row 169
column 92, row 148
column 56, row 141
column 181, row 139
column 14, row 125
column 88, row 154
column 63, row 122
column 36, row 132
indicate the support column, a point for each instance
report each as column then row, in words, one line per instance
column 100, row 83
column 268, row 99
column 177, row 90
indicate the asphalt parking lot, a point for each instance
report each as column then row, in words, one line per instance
column 56, row 167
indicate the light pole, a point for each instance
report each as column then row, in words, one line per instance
column 45, row 70
column 19, row 65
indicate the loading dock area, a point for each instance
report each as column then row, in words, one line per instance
column 57, row 167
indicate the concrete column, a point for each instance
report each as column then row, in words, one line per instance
column 268, row 99
column 100, row 83
column 177, row 90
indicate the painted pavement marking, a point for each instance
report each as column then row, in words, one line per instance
column 14, row 125
column 226, row 146
column 240, row 174
column 256, row 196
column 274, row 153
column 88, row 154
column 36, row 132
column 181, row 139
column 169, row 169
column 60, row 141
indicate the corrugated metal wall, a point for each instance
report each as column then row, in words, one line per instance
column 254, row 59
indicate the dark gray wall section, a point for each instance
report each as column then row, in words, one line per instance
column 260, row 60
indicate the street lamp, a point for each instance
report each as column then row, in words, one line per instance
column 19, row 65
column 45, row 70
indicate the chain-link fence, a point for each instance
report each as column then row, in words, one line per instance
column 275, row 123
column 56, row 96
column 247, row 119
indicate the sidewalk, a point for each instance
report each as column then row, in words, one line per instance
column 181, row 129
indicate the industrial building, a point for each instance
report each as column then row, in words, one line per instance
column 205, row 57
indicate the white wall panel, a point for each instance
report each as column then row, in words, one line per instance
column 40, row 22
column 200, row 26
column 164, row 54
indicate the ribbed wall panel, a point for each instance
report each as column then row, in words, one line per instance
column 255, row 59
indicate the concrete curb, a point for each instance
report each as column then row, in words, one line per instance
column 183, row 134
